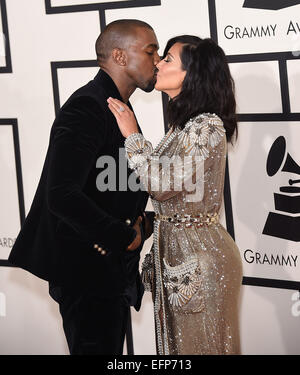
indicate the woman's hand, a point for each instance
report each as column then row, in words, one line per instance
column 124, row 116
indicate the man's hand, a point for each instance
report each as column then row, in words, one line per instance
column 138, row 238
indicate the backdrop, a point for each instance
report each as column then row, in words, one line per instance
column 47, row 51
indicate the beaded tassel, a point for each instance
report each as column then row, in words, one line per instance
column 147, row 272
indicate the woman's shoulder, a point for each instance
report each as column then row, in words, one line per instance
column 205, row 119
column 201, row 132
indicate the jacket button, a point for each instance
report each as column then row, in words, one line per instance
column 128, row 221
column 96, row 246
column 103, row 252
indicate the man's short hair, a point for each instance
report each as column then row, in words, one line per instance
column 115, row 35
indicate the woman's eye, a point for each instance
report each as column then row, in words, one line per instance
column 150, row 53
column 167, row 60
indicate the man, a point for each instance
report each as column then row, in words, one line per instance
column 84, row 241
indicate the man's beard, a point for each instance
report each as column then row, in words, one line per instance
column 150, row 86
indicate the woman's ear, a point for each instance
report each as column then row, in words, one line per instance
column 119, row 56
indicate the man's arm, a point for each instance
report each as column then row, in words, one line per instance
column 76, row 141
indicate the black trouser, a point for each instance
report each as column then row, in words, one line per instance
column 92, row 324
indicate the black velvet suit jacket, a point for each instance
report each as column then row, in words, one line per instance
column 69, row 215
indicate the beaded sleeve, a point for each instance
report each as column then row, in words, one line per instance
column 163, row 176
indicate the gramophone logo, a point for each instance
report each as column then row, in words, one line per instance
column 285, row 222
column 270, row 4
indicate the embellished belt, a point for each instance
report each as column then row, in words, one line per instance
column 188, row 220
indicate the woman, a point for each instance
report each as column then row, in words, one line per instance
column 194, row 267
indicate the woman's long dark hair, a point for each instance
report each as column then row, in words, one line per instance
column 207, row 86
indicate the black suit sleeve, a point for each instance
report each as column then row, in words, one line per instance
column 150, row 218
column 77, row 137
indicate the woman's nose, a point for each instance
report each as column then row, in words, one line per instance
column 159, row 64
column 156, row 59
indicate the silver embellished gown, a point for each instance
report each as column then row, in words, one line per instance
column 194, row 268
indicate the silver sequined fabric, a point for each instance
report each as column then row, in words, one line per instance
column 196, row 272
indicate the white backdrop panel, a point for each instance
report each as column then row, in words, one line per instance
column 2, row 42
column 269, row 321
column 242, row 30
column 294, row 84
column 172, row 18
column 30, row 323
column 252, row 196
column 29, row 319
column 9, row 212
column 257, row 77
column 80, row 2
column 70, row 79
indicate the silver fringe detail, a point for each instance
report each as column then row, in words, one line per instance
column 147, row 272
column 203, row 131
column 162, row 338
column 137, row 150
column 182, row 281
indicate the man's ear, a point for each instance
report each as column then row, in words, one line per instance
column 119, row 56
